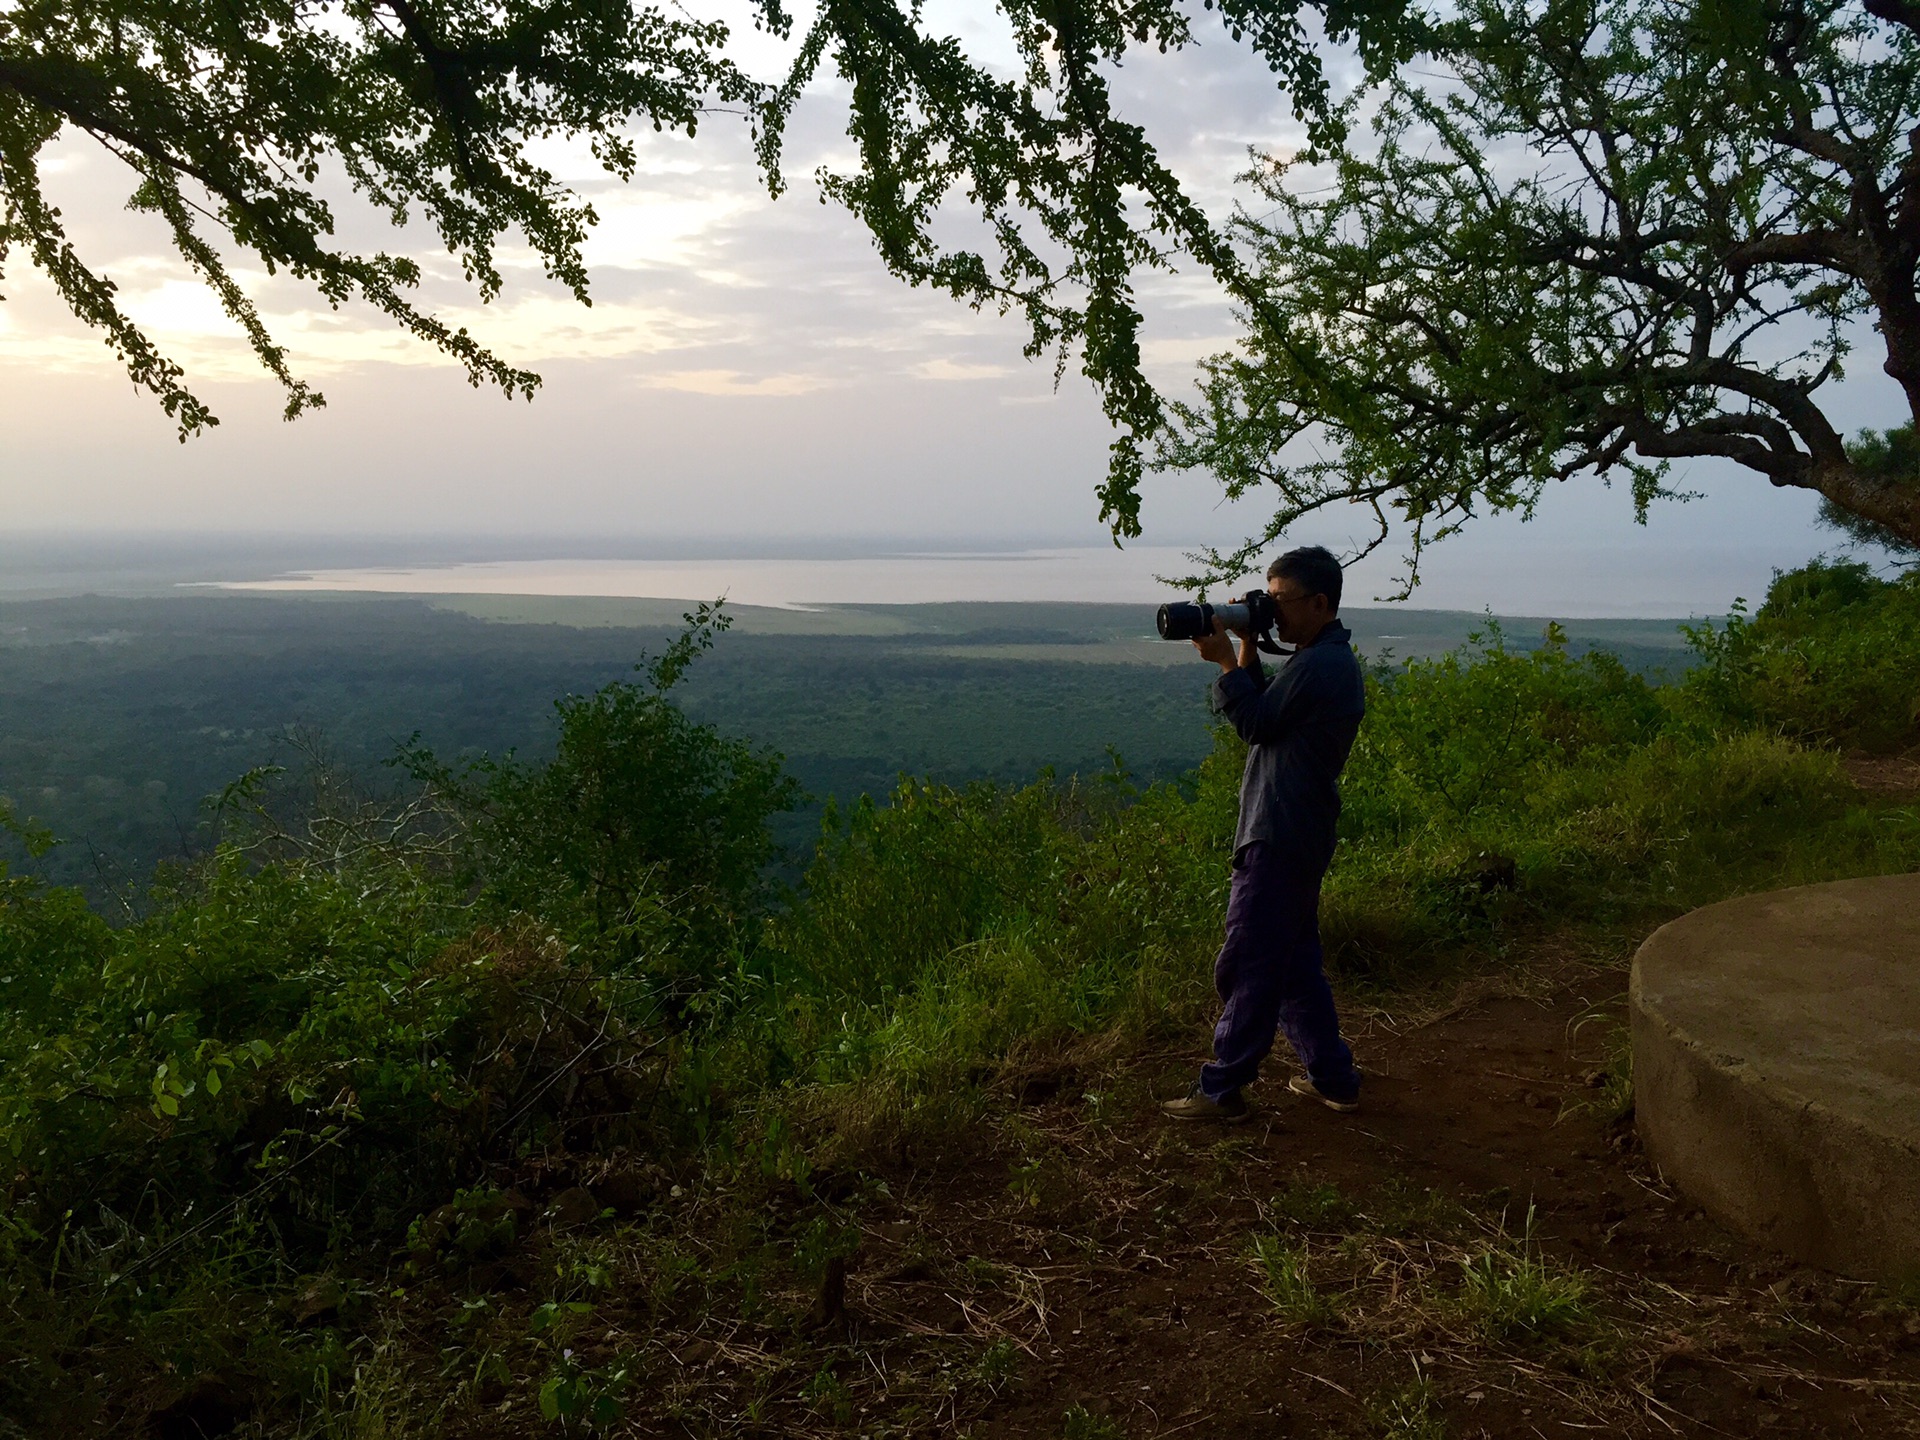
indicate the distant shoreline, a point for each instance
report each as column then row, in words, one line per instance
column 1526, row 582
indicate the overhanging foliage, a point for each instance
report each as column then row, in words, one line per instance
column 236, row 119
column 1615, row 234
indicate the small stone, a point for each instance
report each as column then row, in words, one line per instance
column 573, row 1208
column 321, row 1297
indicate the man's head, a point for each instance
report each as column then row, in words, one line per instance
column 1305, row 585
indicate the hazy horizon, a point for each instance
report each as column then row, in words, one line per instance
column 1680, row 571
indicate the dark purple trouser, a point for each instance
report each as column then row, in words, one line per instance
column 1269, row 974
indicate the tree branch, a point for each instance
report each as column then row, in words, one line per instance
column 1827, row 249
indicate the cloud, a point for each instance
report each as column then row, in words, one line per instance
column 731, row 382
column 944, row 369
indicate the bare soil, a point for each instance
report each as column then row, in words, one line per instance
column 1886, row 775
column 1086, row 1271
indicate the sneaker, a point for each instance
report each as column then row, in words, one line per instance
column 1196, row 1104
column 1301, row 1085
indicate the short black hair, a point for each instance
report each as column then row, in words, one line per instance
column 1313, row 569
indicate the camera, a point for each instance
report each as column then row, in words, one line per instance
column 1252, row 613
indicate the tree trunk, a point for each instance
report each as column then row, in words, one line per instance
column 1894, row 503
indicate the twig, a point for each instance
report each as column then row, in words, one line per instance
column 1323, row 1380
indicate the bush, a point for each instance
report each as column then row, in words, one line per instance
column 955, row 933
column 1831, row 658
column 1490, row 790
column 643, row 839
column 326, row 1031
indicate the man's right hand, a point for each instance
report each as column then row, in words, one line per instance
column 1219, row 647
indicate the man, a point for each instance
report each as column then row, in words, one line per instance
column 1299, row 727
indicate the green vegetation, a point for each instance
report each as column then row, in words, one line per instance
column 1407, row 1414
column 388, row 1054
column 1287, row 1284
column 1831, row 658
column 118, row 714
column 1512, row 1292
column 1082, row 1424
column 1588, row 236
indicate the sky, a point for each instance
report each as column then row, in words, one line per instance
column 748, row 376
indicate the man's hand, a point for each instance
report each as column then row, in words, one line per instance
column 1219, row 648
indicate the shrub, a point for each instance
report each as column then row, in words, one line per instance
column 1831, row 657
column 644, row 838
column 320, row 1035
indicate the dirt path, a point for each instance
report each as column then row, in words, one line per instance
column 1112, row 1256
column 1895, row 775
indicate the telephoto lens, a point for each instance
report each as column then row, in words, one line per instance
column 1184, row 620
column 1190, row 619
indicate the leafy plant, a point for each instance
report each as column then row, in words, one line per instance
column 1831, row 657
column 828, row 1395
column 1514, row 1294
column 1406, row 1413
column 1286, row 1282
column 579, row 1398
column 1081, row 1423
column 644, row 837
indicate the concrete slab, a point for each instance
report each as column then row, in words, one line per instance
column 1776, row 1068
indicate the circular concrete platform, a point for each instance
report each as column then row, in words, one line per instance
column 1776, row 1068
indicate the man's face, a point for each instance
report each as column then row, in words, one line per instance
column 1301, row 617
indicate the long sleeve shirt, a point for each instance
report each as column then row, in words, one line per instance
column 1299, row 726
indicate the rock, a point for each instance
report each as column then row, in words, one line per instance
column 322, row 1296
column 209, row 1406
column 573, row 1208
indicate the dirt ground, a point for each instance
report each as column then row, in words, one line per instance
column 1092, row 1273
column 1896, row 775
column 1104, row 1262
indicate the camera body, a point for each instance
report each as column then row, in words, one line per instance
column 1253, row 613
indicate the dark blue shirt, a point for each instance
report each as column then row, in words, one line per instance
column 1299, row 726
